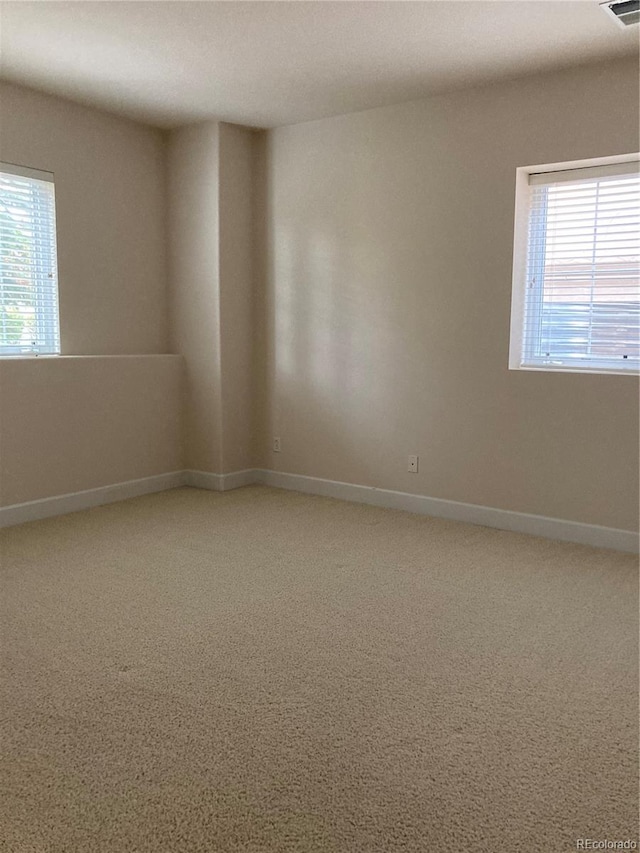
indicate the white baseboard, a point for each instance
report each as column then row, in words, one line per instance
column 74, row 501
column 503, row 519
column 221, row 482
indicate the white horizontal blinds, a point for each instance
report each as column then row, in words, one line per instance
column 582, row 305
column 28, row 268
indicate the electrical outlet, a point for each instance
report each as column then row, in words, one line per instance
column 412, row 467
column 276, row 445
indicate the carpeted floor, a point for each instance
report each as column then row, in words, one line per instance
column 267, row 671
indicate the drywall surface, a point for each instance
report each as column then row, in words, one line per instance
column 237, row 303
column 212, row 289
column 110, row 210
column 388, row 259
column 192, row 162
column 68, row 424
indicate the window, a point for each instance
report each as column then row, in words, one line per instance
column 576, row 282
column 28, row 269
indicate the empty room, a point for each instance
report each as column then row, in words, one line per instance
column 319, row 426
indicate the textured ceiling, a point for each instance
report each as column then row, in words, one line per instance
column 269, row 63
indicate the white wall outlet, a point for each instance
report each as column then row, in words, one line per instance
column 412, row 467
column 276, row 445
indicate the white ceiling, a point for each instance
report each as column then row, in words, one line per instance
column 268, row 63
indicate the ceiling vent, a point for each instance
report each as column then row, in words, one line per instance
column 625, row 14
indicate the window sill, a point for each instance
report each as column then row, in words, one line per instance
column 598, row 371
column 59, row 357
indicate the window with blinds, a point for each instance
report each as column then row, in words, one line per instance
column 28, row 268
column 577, row 282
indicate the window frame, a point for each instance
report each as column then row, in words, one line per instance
column 48, row 333
column 520, row 256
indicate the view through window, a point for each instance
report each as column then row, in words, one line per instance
column 29, row 321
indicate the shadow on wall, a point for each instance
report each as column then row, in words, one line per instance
column 322, row 380
column 334, row 342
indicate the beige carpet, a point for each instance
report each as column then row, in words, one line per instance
column 267, row 671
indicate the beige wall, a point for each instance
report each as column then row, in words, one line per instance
column 68, row 424
column 388, row 263
column 110, row 211
column 344, row 284
column 210, row 219
column 194, row 278
column 237, row 301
